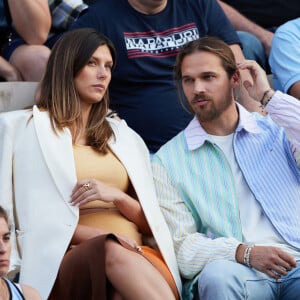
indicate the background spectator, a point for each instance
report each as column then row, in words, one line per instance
column 25, row 26
column 285, row 58
column 28, row 51
column 256, row 21
column 147, row 36
column 8, row 72
column 8, row 289
column 63, row 13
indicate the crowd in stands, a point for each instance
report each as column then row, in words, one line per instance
column 142, row 90
column 285, row 58
column 256, row 21
column 23, row 54
column 25, row 46
column 171, row 99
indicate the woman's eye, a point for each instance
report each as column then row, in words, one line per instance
column 92, row 63
column 6, row 237
column 109, row 66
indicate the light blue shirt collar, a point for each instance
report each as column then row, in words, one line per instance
column 195, row 135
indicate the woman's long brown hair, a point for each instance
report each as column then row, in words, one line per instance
column 57, row 92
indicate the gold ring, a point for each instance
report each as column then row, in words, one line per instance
column 86, row 186
column 138, row 249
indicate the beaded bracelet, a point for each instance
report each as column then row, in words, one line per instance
column 264, row 95
column 247, row 256
column 264, row 103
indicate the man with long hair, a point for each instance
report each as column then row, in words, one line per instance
column 229, row 184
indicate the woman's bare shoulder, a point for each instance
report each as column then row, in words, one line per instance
column 30, row 293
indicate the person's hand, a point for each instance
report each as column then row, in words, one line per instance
column 260, row 84
column 87, row 190
column 271, row 261
column 8, row 71
column 13, row 75
column 267, row 41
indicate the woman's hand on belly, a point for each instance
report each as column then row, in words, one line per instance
column 87, row 190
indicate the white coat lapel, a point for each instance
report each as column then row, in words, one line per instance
column 58, row 154
column 134, row 155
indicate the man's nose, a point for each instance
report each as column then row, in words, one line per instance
column 199, row 86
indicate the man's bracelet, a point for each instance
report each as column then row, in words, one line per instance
column 247, row 256
column 264, row 102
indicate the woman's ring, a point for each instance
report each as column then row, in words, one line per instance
column 86, row 186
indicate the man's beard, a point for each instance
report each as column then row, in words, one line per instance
column 214, row 111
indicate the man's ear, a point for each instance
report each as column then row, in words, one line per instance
column 235, row 79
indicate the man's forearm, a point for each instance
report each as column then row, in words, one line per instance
column 241, row 23
column 32, row 19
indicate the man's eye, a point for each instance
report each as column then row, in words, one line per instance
column 208, row 77
column 187, row 80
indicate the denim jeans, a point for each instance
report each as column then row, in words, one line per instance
column 221, row 280
column 253, row 49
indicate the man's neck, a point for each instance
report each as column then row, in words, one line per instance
column 225, row 124
column 148, row 7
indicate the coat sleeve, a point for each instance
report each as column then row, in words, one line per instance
column 6, row 185
column 285, row 112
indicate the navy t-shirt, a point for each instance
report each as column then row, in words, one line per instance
column 142, row 89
